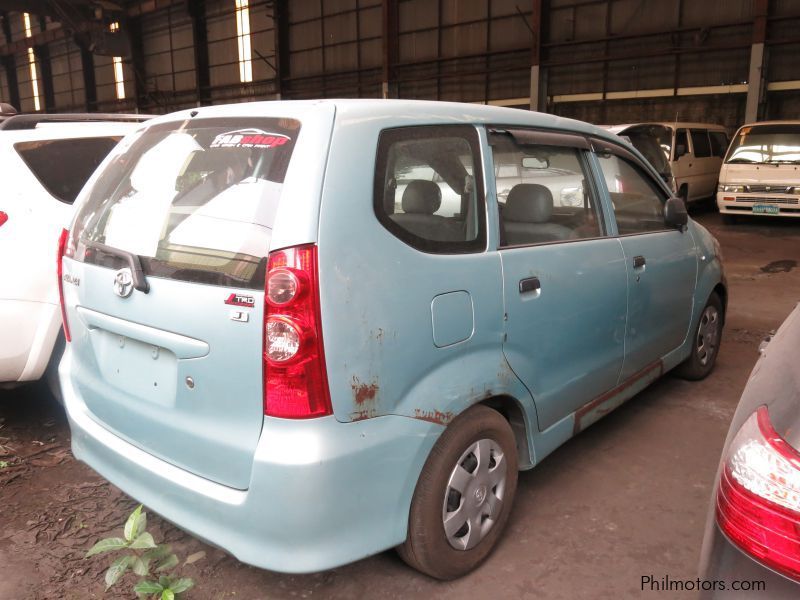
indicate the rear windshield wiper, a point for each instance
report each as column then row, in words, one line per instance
column 746, row 161
column 133, row 260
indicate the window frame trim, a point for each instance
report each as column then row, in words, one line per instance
column 537, row 136
column 470, row 134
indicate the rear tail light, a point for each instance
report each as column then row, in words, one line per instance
column 63, row 241
column 283, row 340
column 282, row 287
column 758, row 501
column 3, row 217
column 295, row 378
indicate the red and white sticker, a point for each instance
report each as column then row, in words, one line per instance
column 240, row 300
column 249, row 138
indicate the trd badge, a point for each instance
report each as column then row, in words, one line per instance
column 240, row 300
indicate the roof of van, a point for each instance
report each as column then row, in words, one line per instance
column 415, row 111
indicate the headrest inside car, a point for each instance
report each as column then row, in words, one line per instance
column 421, row 197
column 529, row 203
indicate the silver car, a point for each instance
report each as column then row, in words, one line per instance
column 752, row 540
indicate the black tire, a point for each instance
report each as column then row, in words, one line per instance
column 706, row 339
column 427, row 547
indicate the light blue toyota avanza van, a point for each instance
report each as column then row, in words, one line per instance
column 311, row 331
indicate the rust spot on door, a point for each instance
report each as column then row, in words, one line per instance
column 433, row 416
column 605, row 403
column 364, row 393
column 361, row 415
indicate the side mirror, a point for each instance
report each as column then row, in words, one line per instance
column 675, row 214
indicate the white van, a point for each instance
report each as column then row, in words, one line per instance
column 691, row 154
column 761, row 173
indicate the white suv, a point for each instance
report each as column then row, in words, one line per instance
column 45, row 160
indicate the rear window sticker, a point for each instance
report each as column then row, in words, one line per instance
column 249, row 138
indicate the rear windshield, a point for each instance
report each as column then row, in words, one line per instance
column 655, row 144
column 64, row 166
column 196, row 201
column 772, row 144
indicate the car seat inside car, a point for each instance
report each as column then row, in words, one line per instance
column 527, row 216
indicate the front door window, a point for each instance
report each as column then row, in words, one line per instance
column 637, row 202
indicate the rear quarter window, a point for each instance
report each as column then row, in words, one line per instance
column 681, row 143
column 63, row 166
column 428, row 191
column 702, row 147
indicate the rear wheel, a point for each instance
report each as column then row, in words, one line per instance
column 705, row 342
column 463, row 496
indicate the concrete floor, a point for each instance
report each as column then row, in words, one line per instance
column 624, row 499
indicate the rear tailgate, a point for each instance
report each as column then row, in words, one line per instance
column 177, row 370
column 170, row 371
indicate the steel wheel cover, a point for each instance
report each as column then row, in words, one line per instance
column 707, row 335
column 473, row 499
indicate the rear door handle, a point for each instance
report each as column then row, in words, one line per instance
column 530, row 284
column 638, row 262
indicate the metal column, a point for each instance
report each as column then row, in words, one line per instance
column 197, row 12
column 755, row 78
column 45, row 68
column 10, row 65
column 536, row 57
column 390, row 48
column 282, row 72
column 89, row 83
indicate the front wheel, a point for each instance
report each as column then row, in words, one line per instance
column 463, row 496
column 705, row 342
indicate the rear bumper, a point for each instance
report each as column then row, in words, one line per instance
column 322, row 493
column 30, row 331
column 733, row 574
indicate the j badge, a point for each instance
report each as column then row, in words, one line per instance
column 240, row 315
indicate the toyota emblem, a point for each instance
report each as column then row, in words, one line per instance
column 123, row 283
